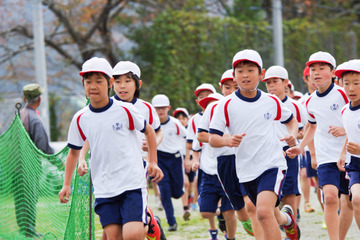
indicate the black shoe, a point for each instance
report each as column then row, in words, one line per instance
column 172, row 228
column 162, row 236
column 222, row 225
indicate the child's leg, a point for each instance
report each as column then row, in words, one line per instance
column 305, row 187
column 355, row 193
column 265, row 204
column 255, row 224
column 185, row 198
column 346, row 215
column 318, row 193
column 331, row 206
column 231, row 223
column 290, row 200
column 113, row 231
column 133, row 231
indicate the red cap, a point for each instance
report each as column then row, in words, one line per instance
column 306, row 71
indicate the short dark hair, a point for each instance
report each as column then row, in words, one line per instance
column 247, row 62
column 181, row 114
column 137, row 82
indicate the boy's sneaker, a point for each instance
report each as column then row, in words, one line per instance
column 162, row 236
column 154, row 232
column 292, row 231
column 186, row 215
column 308, row 208
column 213, row 234
column 247, row 226
column 222, row 225
column 172, row 228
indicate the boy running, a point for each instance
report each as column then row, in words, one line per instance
column 249, row 114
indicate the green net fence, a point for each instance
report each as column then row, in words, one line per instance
column 29, row 183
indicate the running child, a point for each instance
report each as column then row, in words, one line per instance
column 116, row 172
column 349, row 72
column 276, row 80
column 226, row 171
column 127, row 86
column 202, row 91
column 182, row 115
column 169, row 157
column 324, row 114
column 249, row 115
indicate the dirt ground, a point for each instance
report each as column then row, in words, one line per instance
column 310, row 224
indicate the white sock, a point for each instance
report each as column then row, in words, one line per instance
column 288, row 219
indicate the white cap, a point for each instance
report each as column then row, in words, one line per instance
column 298, row 95
column 276, row 72
column 160, row 100
column 124, row 67
column 323, row 57
column 291, row 85
column 352, row 65
column 203, row 87
column 247, row 55
column 180, row 109
column 212, row 97
column 227, row 75
column 96, row 64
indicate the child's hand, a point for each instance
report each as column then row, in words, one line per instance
column 82, row 168
column 145, row 146
column 290, row 140
column 236, row 140
column 341, row 163
column 64, row 194
column 293, row 152
column 195, row 166
column 155, row 172
column 337, row 131
column 314, row 162
column 353, row 148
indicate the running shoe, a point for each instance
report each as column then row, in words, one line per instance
column 292, row 231
column 153, row 232
column 247, row 226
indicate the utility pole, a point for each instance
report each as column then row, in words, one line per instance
column 40, row 63
column 277, row 33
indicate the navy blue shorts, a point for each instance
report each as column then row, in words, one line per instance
column 172, row 167
column 310, row 172
column 210, row 194
column 130, row 206
column 329, row 173
column 292, row 181
column 353, row 170
column 270, row 180
column 191, row 176
column 230, row 181
column 302, row 161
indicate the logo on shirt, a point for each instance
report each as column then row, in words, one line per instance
column 334, row 107
column 267, row 116
column 117, row 126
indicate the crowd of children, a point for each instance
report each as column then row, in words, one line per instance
column 247, row 155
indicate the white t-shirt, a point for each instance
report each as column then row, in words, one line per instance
column 116, row 164
column 351, row 120
column 150, row 115
column 204, row 127
column 192, row 127
column 303, row 100
column 324, row 109
column 299, row 113
column 208, row 161
column 174, row 136
column 260, row 149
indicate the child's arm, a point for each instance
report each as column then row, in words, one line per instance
column 196, row 161
column 293, row 127
column 308, row 137
column 203, row 137
column 342, row 157
column 153, row 169
column 70, row 166
column 217, row 141
column 82, row 167
column 159, row 137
